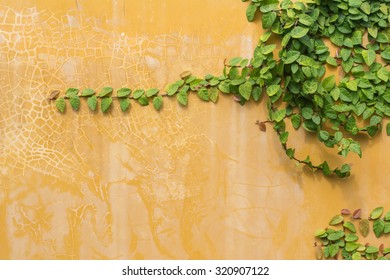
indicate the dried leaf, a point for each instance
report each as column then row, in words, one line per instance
column 357, row 214
column 262, row 126
column 345, row 212
column 364, row 226
column 53, row 94
column 381, row 248
column 319, row 253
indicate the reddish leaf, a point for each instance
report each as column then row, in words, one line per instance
column 357, row 214
column 236, row 98
column 262, row 126
column 381, row 248
column 345, row 212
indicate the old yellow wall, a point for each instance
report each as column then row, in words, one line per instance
column 186, row 183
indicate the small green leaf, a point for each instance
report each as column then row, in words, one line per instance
column 235, row 61
column 323, row 135
column 307, row 113
column 203, row 94
column 123, row 92
column 332, row 61
column 87, row 92
column 105, row 104
column 376, row 213
column 336, row 220
column 299, row 32
column 372, row 250
column 92, row 103
column 369, row 56
column 350, row 226
column 213, row 94
column 268, row 19
column 152, row 92
column 387, row 227
column 124, row 104
column 157, row 102
column 335, row 235
column 320, row 233
column 292, row 56
column 356, row 256
column 71, row 92
column 268, row 49
column 273, row 90
column 182, row 97
column 329, row 83
column 61, row 104
column 245, row 90
column 143, row 100
column 364, row 226
column 351, row 237
column 138, row 93
column 333, row 250
column 279, row 115
column 296, row 121
column 283, row 138
column 251, row 12
column 105, row 91
column 378, row 227
column 351, row 246
column 387, row 216
column 75, row 102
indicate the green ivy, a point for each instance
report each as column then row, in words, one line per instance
column 341, row 240
column 292, row 75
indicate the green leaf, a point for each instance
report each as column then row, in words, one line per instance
column 324, row 135
column 251, row 12
column 355, row 3
column 143, row 100
column 335, row 235
column 151, row 92
column 310, row 86
column 75, row 102
column 366, row 8
column 105, row 91
column 123, row 92
column 356, row 256
column 331, row 61
column 105, row 104
column 336, row 220
column 268, row 19
column 385, row 54
column 296, row 121
column 268, row 49
column 279, row 115
column 204, row 94
column 87, row 92
column 368, row 56
column 71, row 92
column 333, row 250
column 235, row 61
column 292, row 56
column 124, row 104
column 307, row 113
column 329, row 83
column 283, row 138
column 387, row 227
column 376, row 213
column 306, row 19
column 351, row 246
column 372, row 250
column 350, row 226
column 92, row 102
column 182, row 98
column 320, row 233
column 245, row 90
column 383, row 74
column 138, row 93
column 351, row 237
column 61, row 104
column 299, row 32
column 273, row 90
column 157, row 102
column 213, row 91
column 364, row 226
column 387, row 216
column 378, row 227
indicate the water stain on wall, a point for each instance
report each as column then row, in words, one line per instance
column 185, row 183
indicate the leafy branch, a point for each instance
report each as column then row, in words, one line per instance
column 292, row 74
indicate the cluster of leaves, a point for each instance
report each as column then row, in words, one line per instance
column 343, row 238
column 295, row 82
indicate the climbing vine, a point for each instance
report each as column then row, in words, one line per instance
column 341, row 239
column 293, row 75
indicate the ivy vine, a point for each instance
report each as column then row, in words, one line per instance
column 343, row 238
column 293, row 75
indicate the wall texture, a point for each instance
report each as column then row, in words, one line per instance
column 186, row 183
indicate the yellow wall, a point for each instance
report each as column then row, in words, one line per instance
column 186, row 183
